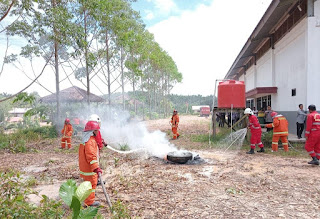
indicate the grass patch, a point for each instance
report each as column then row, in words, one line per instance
column 16, row 142
column 200, row 138
column 120, row 210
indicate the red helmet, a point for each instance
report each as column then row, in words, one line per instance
column 273, row 114
column 67, row 120
column 91, row 126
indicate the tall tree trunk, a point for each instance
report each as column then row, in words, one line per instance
column 149, row 98
column 134, row 95
column 108, row 68
column 142, row 101
column 56, row 65
column 86, row 57
column 122, row 78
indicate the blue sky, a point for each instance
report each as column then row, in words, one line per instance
column 154, row 11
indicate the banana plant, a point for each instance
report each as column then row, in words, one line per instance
column 73, row 196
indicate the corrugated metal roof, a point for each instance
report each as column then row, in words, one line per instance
column 272, row 16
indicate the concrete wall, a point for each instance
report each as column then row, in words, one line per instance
column 264, row 76
column 250, row 79
column 289, row 63
column 313, row 57
column 290, row 69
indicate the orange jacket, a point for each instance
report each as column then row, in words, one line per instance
column 67, row 131
column 175, row 121
column 279, row 125
column 313, row 124
column 88, row 157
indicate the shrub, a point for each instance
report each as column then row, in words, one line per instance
column 120, row 210
column 266, row 138
column 13, row 200
column 16, row 142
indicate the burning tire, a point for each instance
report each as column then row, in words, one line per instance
column 180, row 157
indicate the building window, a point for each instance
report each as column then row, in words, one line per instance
column 269, row 101
column 293, row 92
column 259, row 105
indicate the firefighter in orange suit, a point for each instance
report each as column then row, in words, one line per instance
column 66, row 134
column 174, row 124
column 280, row 131
column 89, row 159
column 313, row 135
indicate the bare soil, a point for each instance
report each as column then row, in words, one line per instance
column 226, row 185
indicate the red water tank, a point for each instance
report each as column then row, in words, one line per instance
column 231, row 92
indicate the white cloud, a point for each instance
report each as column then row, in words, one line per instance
column 205, row 42
column 149, row 15
column 165, row 6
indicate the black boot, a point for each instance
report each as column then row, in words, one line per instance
column 251, row 151
column 314, row 161
column 261, row 150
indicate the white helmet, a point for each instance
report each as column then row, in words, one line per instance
column 95, row 118
column 248, row 111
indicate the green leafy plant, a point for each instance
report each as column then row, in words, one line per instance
column 14, row 204
column 120, row 210
column 73, row 196
column 124, row 147
column 116, row 161
column 266, row 138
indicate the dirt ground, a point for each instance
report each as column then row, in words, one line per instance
column 226, row 185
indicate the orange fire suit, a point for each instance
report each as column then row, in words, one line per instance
column 280, row 131
column 256, row 132
column 313, row 134
column 67, row 133
column 88, row 162
column 174, row 125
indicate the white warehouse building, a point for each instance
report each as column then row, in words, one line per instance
column 280, row 62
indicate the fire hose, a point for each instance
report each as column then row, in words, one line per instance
column 125, row 152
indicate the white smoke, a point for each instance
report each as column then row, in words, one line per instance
column 135, row 135
column 118, row 128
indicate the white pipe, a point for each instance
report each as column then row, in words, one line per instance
column 214, row 95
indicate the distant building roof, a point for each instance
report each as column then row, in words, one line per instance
column 15, row 119
column 72, row 94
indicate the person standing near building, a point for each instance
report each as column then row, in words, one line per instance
column 301, row 117
column 280, row 131
column 66, row 134
column 256, row 132
column 89, row 159
column 174, row 124
column 313, row 135
column 268, row 117
column 255, row 112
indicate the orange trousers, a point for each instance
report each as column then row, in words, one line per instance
column 94, row 180
column 275, row 140
column 65, row 142
column 175, row 132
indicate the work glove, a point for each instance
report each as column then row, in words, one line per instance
column 97, row 170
